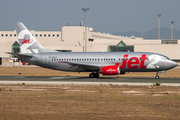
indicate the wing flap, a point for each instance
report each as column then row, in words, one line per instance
column 85, row 66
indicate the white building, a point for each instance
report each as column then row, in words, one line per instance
column 72, row 38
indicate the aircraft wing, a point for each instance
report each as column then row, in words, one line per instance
column 17, row 54
column 85, row 66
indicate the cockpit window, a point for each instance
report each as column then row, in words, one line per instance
column 166, row 58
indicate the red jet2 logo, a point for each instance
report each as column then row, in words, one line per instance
column 135, row 63
column 26, row 41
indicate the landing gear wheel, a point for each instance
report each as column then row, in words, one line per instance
column 157, row 77
column 91, row 75
column 94, row 75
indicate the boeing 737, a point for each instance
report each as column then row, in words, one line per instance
column 106, row 63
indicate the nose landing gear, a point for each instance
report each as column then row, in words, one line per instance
column 94, row 75
column 157, row 76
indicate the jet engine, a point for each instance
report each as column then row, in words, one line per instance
column 111, row 70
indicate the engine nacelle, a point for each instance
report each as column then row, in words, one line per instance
column 111, row 70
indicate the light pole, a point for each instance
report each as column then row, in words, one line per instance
column 159, row 15
column 172, row 30
column 85, row 10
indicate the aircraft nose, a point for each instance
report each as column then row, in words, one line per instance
column 174, row 64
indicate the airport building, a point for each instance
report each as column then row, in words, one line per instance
column 75, row 39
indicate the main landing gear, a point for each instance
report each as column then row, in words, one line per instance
column 94, row 75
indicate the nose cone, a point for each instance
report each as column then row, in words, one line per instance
column 174, row 64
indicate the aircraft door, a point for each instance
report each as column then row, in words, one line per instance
column 45, row 60
column 162, row 64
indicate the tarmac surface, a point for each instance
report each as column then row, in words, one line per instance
column 87, row 80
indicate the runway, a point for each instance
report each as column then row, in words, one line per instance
column 87, row 80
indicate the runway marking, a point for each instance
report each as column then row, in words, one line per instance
column 87, row 83
column 56, row 78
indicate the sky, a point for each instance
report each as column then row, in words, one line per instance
column 104, row 15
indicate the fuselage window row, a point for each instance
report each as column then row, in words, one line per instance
column 95, row 59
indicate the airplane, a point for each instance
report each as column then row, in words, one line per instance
column 106, row 63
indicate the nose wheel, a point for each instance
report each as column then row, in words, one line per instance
column 94, row 75
column 157, row 76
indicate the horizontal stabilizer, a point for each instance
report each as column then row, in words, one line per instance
column 17, row 54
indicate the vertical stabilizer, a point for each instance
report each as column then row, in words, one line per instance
column 27, row 42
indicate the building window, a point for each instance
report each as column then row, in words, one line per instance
column 57, row 35
column 44, row 35
column 15, row 48
column 49, row 35
column 121, row 47
column 53, row 35
column 91, row 40
column 169, row 42
column 36, row 35
column 40, row 35
column 2, row 35
column 6, row 35
column 10, row 34
column 14, row 35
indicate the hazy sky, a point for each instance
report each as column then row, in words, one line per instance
column 105, row 15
